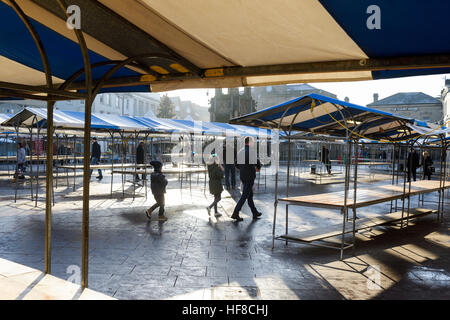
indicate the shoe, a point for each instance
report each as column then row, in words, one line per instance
column 209, row 210
column 100, row 177
column 148, row 214
column 217, row 215
column 162, row 218
column 257, row 215
column 237, row 218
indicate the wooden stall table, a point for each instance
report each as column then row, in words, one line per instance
column 74, row 168
column 365, row 197
column 187, row 171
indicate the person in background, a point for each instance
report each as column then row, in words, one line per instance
column 95, row 157
column 215, row 173
column 229, row 165
column 140, row 158
column 412, row 163
column 427, row 164
column 21, row 160
column 325, row 158
column 247, row 171
column 158, row 186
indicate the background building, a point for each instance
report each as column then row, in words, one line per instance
column 270, row 96
column 417, row 105
column 445, row 97
column 128, row 104
column 225, row 106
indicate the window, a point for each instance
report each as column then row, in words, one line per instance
column 106, row 100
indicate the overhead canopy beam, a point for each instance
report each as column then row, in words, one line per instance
column 397, row 63
column 26, row 89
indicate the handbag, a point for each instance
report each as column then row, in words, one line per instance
column 432, row 169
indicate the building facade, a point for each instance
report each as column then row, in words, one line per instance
column 225, row 106
column 272, row 95
column 445, row 97
column 128, row 104
column 416, row 105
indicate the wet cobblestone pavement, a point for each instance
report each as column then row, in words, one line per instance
column 193, row 256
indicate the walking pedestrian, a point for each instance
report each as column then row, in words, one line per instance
column 140, row 159
column 158, row 186
column 427, row 164
column 229, row 160
column 21, row 160
column 95, row 157
column 247, row 172
column 412, row 163
column 215, row 173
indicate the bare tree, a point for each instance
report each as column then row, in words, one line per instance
column 165, row 108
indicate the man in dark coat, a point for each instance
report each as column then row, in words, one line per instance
column 325, row 158
column 158, row 186
column 140, row 158
column 95, row 157
column 412, row 163
column 247, row 171
column 229, row 165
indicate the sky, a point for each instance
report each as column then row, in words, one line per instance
column 359, row 92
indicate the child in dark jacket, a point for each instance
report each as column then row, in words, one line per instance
column 158, row 186
column 215, row 173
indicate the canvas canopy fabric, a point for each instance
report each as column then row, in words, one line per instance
column 213, row 43
column 323, row 115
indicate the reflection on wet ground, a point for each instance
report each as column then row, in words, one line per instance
column 193, row 256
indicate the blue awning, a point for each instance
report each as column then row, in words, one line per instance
column 72, row 120
column 323, row 115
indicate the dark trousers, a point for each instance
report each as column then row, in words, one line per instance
column 247, row 195
column 143, row 175
column 230, row 172
column 95, row 161
column 217, row 198
column 21, row 167
column 159, row 203
column 328, row 165
column 414, row 173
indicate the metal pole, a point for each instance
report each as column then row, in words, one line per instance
column 112, row 160
column 74, row 161
column 49, row 187
column 404, row 183
column 393, row 172
column 409, row 187
column 355, row 186
column 287, row 184
column 441, row 195
column 57, row 154
column 275, row 204
column 347, row 182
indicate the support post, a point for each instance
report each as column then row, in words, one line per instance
column 49, row 188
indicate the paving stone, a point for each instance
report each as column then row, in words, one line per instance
column 201, row 282
column 191, row 256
